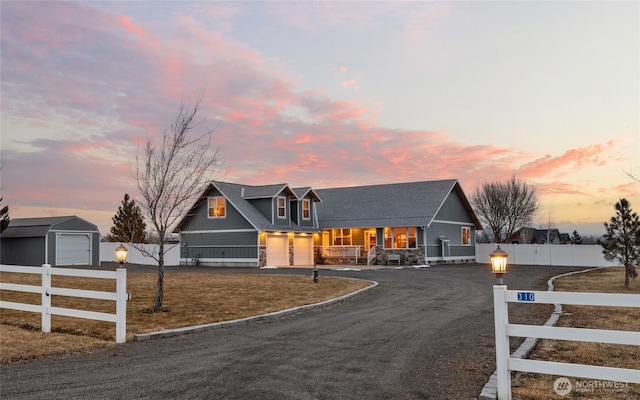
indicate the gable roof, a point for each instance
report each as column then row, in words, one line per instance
column 35, row 227
column 302, row 192
column 392, row 205
column 239, row 197
column 264, row 192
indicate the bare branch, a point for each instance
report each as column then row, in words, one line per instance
column 172, row 175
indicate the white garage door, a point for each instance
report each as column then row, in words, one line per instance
column 73, row 249
column 303, row 250
column 277, row 250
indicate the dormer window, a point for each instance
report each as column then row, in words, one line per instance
column 306, row 209
column 217, row 207
column 282, row 207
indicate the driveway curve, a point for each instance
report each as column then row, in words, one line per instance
column 420, row 334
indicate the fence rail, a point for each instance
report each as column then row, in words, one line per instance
column 120, row 296
column 505, row 364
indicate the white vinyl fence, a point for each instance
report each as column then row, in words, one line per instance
column 46, row 271
column 545, row 254
column 135, row 256
column 505, row 364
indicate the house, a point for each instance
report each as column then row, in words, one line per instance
column 276, row 225
column 540, row 236
column 57, row 241
column 404, row 223
column 242, row 225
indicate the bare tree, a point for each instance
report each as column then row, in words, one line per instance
column 170, row 176
column 505, row 206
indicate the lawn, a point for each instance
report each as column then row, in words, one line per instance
column 527, row 386
column 189, row 299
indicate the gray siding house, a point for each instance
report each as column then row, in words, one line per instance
column 57, row 241
column 403, row 223
column 276, row 225
column 242, row 225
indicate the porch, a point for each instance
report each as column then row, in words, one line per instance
column 378, row 255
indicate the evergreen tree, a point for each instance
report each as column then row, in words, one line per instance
column 576, row 238
column 128, row 223
column 4, row 217
column 622, row 240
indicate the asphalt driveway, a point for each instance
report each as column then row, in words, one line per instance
column 421, row 334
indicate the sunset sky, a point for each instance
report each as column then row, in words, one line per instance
column 325, row 94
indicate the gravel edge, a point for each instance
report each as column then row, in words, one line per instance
column 199, row 328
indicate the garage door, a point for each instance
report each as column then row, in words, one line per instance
column 303, row 250
column 73, row 249
column 277, row 250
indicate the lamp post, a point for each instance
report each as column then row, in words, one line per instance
column 499, row 264
column 121, row 255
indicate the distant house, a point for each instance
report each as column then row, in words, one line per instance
column 57, row 241
column 276, row 225
column 540, row 236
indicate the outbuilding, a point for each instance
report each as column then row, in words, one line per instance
column 57, row 241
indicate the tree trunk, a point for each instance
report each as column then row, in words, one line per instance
column 157, row 304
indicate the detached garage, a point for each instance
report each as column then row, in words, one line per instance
column 58, row 241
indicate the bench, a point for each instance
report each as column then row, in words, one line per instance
column 393, row 257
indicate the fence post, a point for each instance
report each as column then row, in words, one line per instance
column 46, row 298
column 501, row 314
column 121, row 305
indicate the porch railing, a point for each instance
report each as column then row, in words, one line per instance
column 371, row 254
column 341, row 252
column 434, row 251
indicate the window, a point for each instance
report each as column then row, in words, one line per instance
column 217, row 207
column 282, row 207
column 400, row 238
column 306, row 209
column 466, row 236
column 341, row 237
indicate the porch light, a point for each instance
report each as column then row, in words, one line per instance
column 121, row 254
column 499, row 264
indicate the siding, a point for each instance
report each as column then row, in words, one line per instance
column 265, row 206
column 201, row 222
column 219, row 245
column 453, row 232
column 306, row 223
column 453, row 210
column 23, row 251
column 74, row 224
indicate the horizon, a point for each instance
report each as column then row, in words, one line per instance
column 325, row 94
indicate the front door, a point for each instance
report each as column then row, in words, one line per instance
column 370, row 239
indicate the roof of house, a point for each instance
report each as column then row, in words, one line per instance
column 34, row 227
column 239, row 197
column 392, row 205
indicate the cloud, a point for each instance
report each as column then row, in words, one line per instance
column 81, row 86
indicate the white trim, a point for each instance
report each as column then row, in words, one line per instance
column 470, row 224
column 302, row 211
column 89, row 235
column 284, row 198
column 209, row 216
column 462, row 229
column 223, row 231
